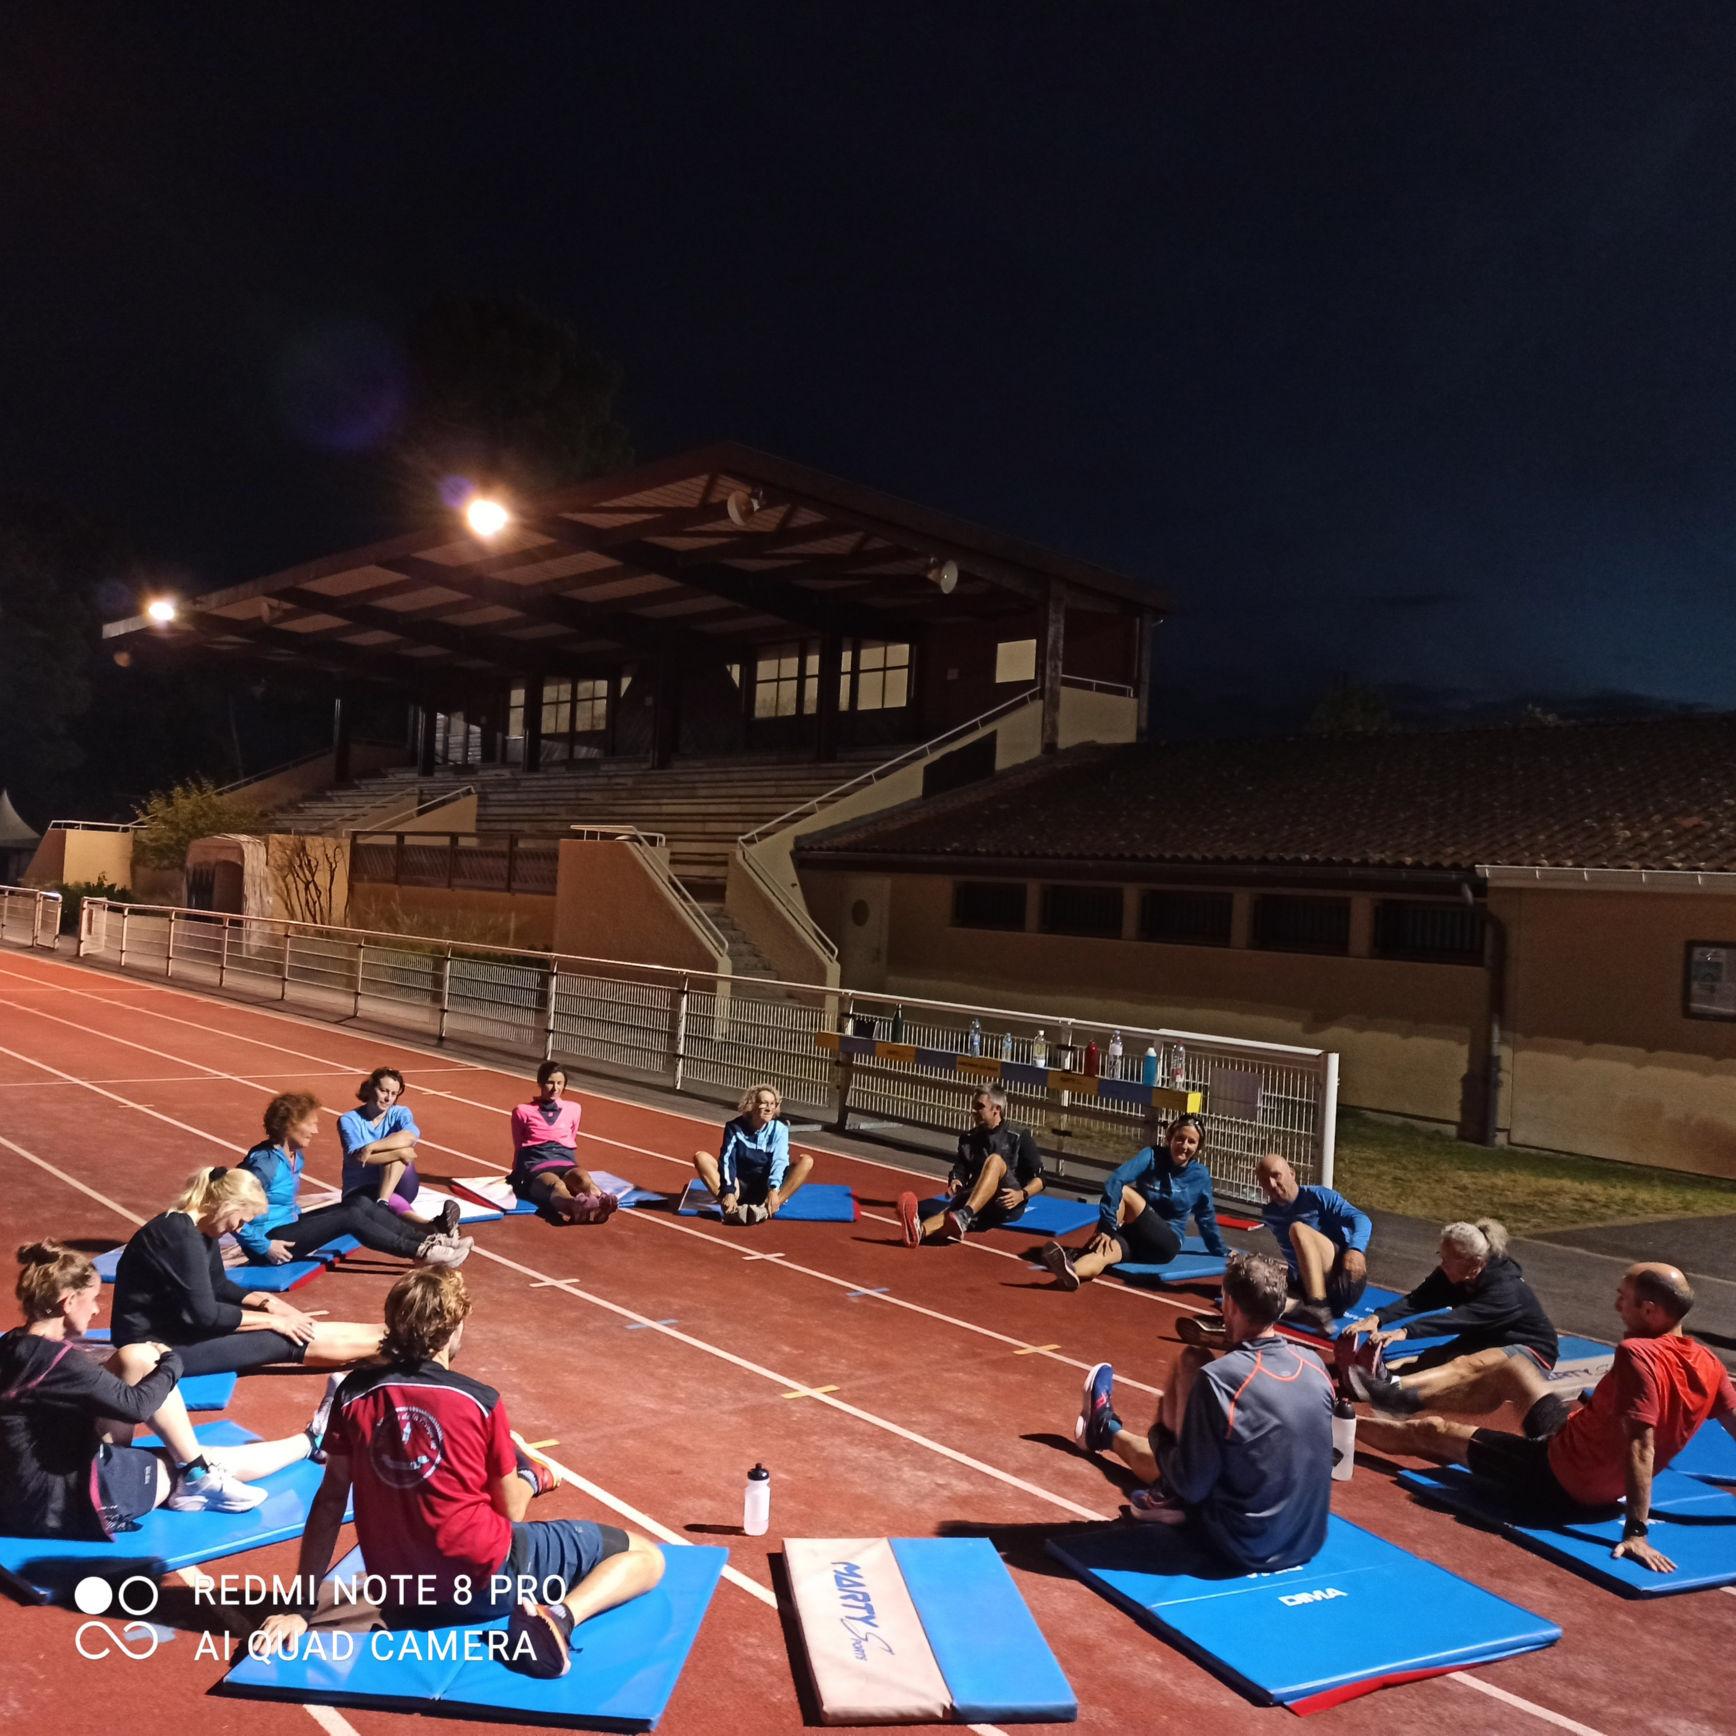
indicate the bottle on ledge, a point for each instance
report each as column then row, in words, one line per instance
column 1091, row 1058
column 1113, row 1070
column 898, row 1024
column 1149, row 1074
column 973, row 1043
column 1178, row 1067
column 1039, row 1049
column 1006, row 1045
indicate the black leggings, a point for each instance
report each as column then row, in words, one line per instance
column 239, row 1352
column 1148, row 1240
column 374, row 1225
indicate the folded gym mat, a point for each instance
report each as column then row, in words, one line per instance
column 1372, row 1298
column 495, row 1191
column 1692, row 1522
column 1709, row 1455
column 625, row 1662
column 265, row 1277
column 430, row 1202
column 920, row 1630
column 1307, row 1637
column 45, row 1570
column 1047, row 1215
column 1193, row 1265
column 819, row 1202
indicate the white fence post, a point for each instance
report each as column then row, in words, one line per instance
column 1327, row 1130
column 445, row 994
column 283, row 981
column 223, row 953
column 680, row 1056
column 123, row 937
column 549, row 1020
column 169, row 950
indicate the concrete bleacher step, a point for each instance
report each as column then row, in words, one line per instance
column 745, row 959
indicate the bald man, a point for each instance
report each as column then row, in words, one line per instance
column 1662, row 1387
column 1323, row 1238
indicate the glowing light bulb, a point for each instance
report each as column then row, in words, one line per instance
column 162, row 610
column 486, row 518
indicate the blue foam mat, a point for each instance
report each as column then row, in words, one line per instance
column 625, row 1664
column 991, row 1653
column 1372, row 1298
column 1047, row 1215
column 1193, row 1265
column 46, row 1569
column 251, row 1277
column 1323, row 1630
column 1710, row 1455
column 818, row 1202
column 1692, row 1522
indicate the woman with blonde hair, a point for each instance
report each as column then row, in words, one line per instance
column 66, row 1420
column 171, row 1288
column 753, row 1175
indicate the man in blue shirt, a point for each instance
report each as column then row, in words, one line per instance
column 1323, row 1238
column 752, row 1174
column 1146, row 1206
column 1242, row 1445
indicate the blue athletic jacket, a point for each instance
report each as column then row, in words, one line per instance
column 280, row 1176
column 1321, row 1208
column 1174, row 1194
column 765, row 1153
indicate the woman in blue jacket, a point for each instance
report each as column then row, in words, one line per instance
column 1146, row 1206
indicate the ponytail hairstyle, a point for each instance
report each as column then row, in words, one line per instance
column 1483, row 1241
column 48, row 1271
column 375, row 1077
column 285, row 1110
column 207, row 1189
column 423, row 1310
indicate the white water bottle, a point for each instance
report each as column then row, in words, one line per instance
column 1115, row 1052
column 1343, row 1441
column 756, row 1504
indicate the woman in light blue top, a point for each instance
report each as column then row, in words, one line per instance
column 379, row 1140
column 753, row 1175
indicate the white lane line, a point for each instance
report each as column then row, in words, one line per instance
column 1559, row 1719
column 784, row 1381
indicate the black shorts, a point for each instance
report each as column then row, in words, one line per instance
column 1148, row 1240
column 239, row 1353
column 126, row 1479
column 542, row 1186
column 1518, row 1465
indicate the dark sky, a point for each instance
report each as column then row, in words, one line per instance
column 1396, row 339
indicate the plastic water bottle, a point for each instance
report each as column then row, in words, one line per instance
column 898, row 1024
column 1091, row 1058
column 1039, row 1049
column 973, row 1044
column 1178, row 1066
column 756, row 1503
column 1115, row 1052
column 1149, row 1075
column 1006, row 1045
column 1343, row 1441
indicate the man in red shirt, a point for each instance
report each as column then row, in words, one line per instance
column 1662, row 1387
column 441, row 1490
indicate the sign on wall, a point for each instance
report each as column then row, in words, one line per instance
column 1709, row 991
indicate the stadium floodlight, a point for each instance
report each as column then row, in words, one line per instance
column 487, row 518
column 161, row 610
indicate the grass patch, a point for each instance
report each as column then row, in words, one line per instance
column 1396, row 1168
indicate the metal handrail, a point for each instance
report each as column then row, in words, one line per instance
column 910, row 756
column 93, row 825
column 599, row 834
column 1092, row 686
column 424, row 806
column 306, row 759
column 792, row 912
column 41, row 898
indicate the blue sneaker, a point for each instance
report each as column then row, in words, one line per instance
column 1097, row 1419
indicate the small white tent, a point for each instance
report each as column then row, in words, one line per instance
column 17, row 842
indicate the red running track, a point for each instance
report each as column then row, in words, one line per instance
column 662, row 1356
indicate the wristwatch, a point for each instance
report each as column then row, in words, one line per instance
column 1634, row 1528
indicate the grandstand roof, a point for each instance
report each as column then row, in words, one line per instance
column 642, row 561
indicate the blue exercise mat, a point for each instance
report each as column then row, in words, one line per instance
column 992, row 1655
column 1047, row 1215
column 250, row 1277
column 819, row 1202
column 1372, row 1298
column 1193, row 1265
column 199, row 1392
column 46, row 1569
column 625, row 1663
column 1710, row 1455
column 1307, row 1637
column 1692, row 1522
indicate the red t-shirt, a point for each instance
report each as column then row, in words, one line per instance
column 1672, row 1383
column 426, row 1447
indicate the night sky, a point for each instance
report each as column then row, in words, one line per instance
column 1396, row 340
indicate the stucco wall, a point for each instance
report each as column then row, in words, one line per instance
column 611, row 903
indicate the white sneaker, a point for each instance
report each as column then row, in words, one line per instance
column 218, row 1491
column 448, row 1254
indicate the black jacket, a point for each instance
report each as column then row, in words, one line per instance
column 1496, row 1308
column 170, row 1287
column 1012, row 1144
column 52, row 1395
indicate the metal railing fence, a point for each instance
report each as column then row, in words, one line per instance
column 844, row 1057
column 29, row 916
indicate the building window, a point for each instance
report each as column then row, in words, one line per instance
column 515, row 727
column 590, row 707
column 1443, row 933
column 786, row 681
column 1186, row 918
column 988, row 904
column 1709, row 985
column 873, row 676
column 557, row 708
column 1015, row 660
column 1285, row 923
column 1092, row 911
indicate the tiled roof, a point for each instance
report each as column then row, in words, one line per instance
column 1658, row 793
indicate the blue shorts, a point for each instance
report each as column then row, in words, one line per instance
column 557, row 1554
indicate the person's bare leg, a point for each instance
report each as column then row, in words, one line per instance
column 1432, row 1438
column 339, row 1343
column 1136, row 1453
column 1088, row 1265
column 131, row 1363
column 635, row 1570
column 988, row 1184
column 800, row 1169
column 705, row 1163
column 254, row 1460
column 1314, row 1258
column 1478, row 1382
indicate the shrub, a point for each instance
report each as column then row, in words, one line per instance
column 73, row 893
column 169, row 820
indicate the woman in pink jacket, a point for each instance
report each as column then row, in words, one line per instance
column 545, row 1155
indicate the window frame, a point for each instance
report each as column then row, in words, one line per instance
column 1261, row 899
column 1227, row 900
column 1048, row 890
column 1023, row 889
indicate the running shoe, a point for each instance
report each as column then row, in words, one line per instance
column 215, row 1490
column 322, row 1416
column 450, row 1218
column 1156, row 1506
column 449, row 1252
column 1203, row 1331
column 548, row 1628
column 909, row 1219
column 1384, row 1392
column 1060, row 1262
column 754, row 1214
column 954, row 1226
column 1311, row 1316
column 542, row 1477
column 1097, row 1419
